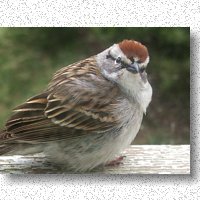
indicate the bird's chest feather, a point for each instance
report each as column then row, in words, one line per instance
column 95, row 149
column 136, row 89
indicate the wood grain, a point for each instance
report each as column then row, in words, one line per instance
column 140, row 159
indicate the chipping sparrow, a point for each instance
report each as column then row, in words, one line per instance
column 90, row 112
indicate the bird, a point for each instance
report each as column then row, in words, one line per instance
column 88, row 114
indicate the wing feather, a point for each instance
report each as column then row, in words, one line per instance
column 69, row 108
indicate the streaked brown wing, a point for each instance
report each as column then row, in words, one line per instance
column 69, row 108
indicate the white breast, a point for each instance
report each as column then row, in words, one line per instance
column 136, row 89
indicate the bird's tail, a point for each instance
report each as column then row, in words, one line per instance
column 4, row 147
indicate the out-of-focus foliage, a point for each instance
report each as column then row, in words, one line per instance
column 29, row 57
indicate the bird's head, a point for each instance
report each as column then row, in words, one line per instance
column 125, row 64
column 128, row 54
column 135, row 55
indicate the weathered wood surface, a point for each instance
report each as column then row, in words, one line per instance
column 140, row 159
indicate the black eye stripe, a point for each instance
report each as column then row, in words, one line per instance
column 109, row 56
column 142, row 69
column 125, row 65
column 118, row 59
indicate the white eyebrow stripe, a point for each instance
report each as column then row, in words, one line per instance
column 145, row 63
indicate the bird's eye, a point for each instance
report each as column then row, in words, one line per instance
column 132, row 59
column 118, row 60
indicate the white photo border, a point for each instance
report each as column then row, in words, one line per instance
column 116, row 13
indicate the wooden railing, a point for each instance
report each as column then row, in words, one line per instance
column 139, row 159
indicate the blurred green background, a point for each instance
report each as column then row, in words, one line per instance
column 30, row 56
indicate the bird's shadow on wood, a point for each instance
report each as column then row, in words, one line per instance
column 98, row 178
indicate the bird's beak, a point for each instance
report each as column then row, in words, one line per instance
column 133, row 68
